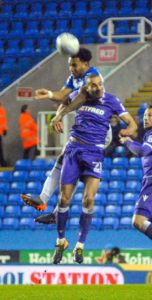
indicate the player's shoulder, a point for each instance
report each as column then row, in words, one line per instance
column 111, row 97
column 93, row 70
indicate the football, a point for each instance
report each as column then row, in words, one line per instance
column 67, row 44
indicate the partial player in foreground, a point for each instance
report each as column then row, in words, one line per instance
column 143, row 209
column 79, row 67
column 83, row 156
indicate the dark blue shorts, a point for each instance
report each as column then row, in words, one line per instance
column 81, row 160
column 144, row 203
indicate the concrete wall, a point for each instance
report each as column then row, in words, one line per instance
column 52, row 74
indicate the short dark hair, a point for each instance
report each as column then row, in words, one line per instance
column 83, row 54
column 24, row 108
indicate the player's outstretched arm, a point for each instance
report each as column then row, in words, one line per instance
column 56, row 96
column 131, row 126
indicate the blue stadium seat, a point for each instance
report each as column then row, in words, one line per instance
column 26, row 223
column 103, row 187
column 100, row 199
column 2, row 51
column 3, row 29
column 80, row 10
column 12, row 211
column 51, row 10
column 28, row 212
column 120, row 151
column 130, row 198
column 75, row 210
column 133, row 186
column 112, row 211
column 4, row 187
column 110, row 223
column 80, row 187
column 126, row 11
column 33, row 187
column 36, row 10
column 74, row 223
column 6, row 11
column 114, row 198
column 120, row 162
column 18, row 187
column 106, row 175
column 17, row 30
column 39, row 164
column 47, row 28
column 50, row 164
column 135, row 162
column 62, row 25
column 127, row 210
column 5, row 176
column 116, row 186
column 110, row 11
column 98, row 211
column 1, row 211
column 125, row 223
column 14, row 199
column 13, row 47
column 32, row 30
column 36, row 176
column 95, row 9
column 91, row 27
column 28, row 48
column 134, row 174
column 107, row 163
column 118, row 174
column 96, row 223
column 77, row 198
column 65, row 9
column 43, row 47
column 23, row 165
column 77, row 26
column 20, row 176
column 3, row 199
column 21, row 11
column 10, row 223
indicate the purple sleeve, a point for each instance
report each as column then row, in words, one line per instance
column 134, row 147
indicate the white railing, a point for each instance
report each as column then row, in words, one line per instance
column 111, row 22
column 45, row 142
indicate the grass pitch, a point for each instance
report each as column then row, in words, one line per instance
column 76, row 292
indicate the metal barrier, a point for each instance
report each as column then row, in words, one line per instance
column 49, row 141
column 110, row 23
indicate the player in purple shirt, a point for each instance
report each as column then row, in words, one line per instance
column 142, row 218
column 79, row 67
column 83, row 156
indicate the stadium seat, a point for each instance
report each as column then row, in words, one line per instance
column 4, row 187
column 75, row 210
column 18, row 187
column 96, row 223
column 114, row 198
column 120, row 163
column 12, row 211
column 100, row 199
column 5, row 176
column 116, row 186
column 62, row 25
column 3, row 199
column 6, row 11
column 118, row 174
column 20, row 176
column 130, row 198
column 98, row 211
column 14, row 199
column 103, row 187
column 51, row 10
column 80, row 10
column 36, row 10
column 17, row 30
column 107, row 163
column 127, row 210
column 26, row 223
column 43, row 47
column 110, row 223
column 134, row 174
column 106, row 175
column 36, row 176
column 133, row 186
column 119, row 151
column 28, row 212
column 33, row 187
column 66, row 9
column 1, row 211
column 74, row 223
column 10, row 223
column 28, row 48
column 32, row 29
column 21, row 11
column 125, row 223
column 80, row 187
column 3, row 29
column 47, row 28
column 112, row 211
column 23, row 164
column 135, row 162
column 13, row 47
column 39, row 164
column 77, row 198
column 77, row 27
column 95, row 9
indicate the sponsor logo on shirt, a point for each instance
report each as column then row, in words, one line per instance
column 149, row 139
column 92, row 110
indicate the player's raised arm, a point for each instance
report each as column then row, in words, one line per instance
column 57, row 96
column 131, row 126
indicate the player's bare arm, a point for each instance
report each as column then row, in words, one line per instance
column 56, row 96
column 131, row 128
